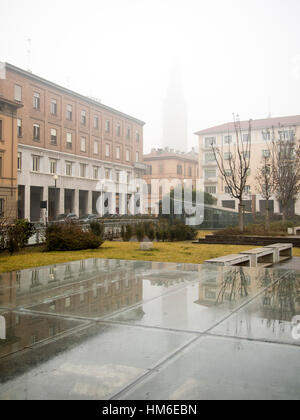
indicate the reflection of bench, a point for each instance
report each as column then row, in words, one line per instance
column 231, row 260
column 283, row 252
column 294, row 231
column 261, row 257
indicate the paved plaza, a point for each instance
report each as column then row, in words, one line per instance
column 133, row 330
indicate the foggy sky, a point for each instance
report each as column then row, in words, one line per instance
column 236, row 55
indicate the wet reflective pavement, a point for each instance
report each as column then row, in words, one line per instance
column 111, row 329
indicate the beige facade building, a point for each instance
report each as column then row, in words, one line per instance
column 168, row 164
column 8, row 158
column 69, row 136
column 224, row 136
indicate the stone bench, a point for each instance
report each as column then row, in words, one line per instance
column 231, row 260
column 294, row 231
column 283, row 252
column 260, row 257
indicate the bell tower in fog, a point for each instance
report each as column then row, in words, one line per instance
column 175, row 112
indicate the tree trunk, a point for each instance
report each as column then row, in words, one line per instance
column 241, row 217
column 267, row 216
column 284, row 211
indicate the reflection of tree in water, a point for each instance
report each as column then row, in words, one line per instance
column 282, row 301
column 237, row 281
column 234, row 286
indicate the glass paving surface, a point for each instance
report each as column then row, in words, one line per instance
column 112, row 329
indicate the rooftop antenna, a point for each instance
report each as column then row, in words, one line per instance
column 29, row 55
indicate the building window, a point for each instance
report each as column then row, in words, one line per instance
column 118, row 130
column 1, row 128
column 96, row 172
column 227, row 190
column 247, row 189
column 118, row 176
column 246, row 155
column 96, row 147
column 210, row 141
column 209, row 157
column 228, row 139
column 211, row 190
column 137, row 136
column 36, row 132
column 128, row 155
column 83, row 117
column 128, row 133
column 107, row 150
column 69, row 167
column 36, row 100
column 53, row 166
column 107, row 173
column 83, row 144
column 179, row 169
column 286, row 135
column 128, row 177
column 35, row 164
column 82, row 167
column 107, row 126
column 19, row 127
column 53, row 133
column 69, row 112
column 2, row 203
column 161, row 168
column 149, row 170
column 19, row 161
column 18, row 93
column 1, row 166
column 53, row 107
column 210, row 173
column 96, row 122
column 69, row 140
column 118, row 152
column 137, row 156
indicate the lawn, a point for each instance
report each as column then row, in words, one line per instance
column 181, row 252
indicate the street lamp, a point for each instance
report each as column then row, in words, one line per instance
column 55, row 177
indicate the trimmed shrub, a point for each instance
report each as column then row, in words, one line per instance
column 70, row 237
column 97, row 228
column 151, row 233
column 17, row 235
column 140, row 233
column 126, row 233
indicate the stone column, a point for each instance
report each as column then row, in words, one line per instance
column 90, row 202
column 76, row 202
column 27, row 202
column 61, row 204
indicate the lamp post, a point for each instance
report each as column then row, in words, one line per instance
column 55, row 177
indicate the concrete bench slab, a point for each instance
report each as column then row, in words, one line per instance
column 294, row 231
column 261, row 257
column 283, row 252
column 231, row 260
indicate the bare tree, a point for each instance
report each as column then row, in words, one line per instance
column 234, row 167
column 265, row 183
column 285, row 152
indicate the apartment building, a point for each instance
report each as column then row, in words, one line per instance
column 67, row 143
column 8, row 161
column 169, row 164
column 224, row 137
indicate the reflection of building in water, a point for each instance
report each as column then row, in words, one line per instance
column 88, row 287
column 25, row 330
column 228, row 284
